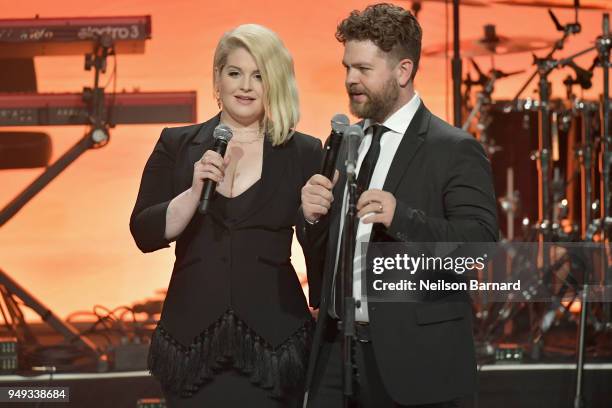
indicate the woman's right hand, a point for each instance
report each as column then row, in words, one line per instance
column 210, row 167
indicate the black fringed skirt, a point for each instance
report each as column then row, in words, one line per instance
column 230, row 355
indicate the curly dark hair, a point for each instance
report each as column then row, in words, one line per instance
column 393, row 29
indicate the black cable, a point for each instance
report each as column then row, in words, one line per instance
column 78, row 313
column 110, row 315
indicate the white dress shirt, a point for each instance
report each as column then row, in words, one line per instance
column 389, row 142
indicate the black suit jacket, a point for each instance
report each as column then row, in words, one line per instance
column 441, row 179
column 244, row 263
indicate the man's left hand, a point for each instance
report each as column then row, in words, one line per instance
column 376, row 206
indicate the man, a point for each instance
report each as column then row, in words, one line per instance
column 427, row 182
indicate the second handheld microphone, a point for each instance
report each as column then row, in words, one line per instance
column 338, row 123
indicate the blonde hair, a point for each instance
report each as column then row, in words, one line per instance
column 275, row 64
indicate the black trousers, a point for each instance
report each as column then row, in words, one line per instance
column 368, row 390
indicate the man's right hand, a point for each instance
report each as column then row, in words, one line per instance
column 317, row 197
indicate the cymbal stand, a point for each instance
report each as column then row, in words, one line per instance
column 568, row 29
column 543, row 68
column 483, row 98
column 544, row 227
column 603, row 45
column 586, row 156
column 483, row 101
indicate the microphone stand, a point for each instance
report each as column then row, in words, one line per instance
column 603, row 45
column 347, row 313
column 456, row 67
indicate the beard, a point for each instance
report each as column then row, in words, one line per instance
column 378, row 105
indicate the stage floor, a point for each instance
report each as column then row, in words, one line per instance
column 501, row 385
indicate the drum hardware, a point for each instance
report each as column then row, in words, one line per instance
column 510, row 203
column 586, row 156
column 491, row 44
column 564, row 120
column 417, row 5
column 560, row 208
column 567, row 29
column 594, row 210
column 547, row 131
column 483, row 102
column 584, row 4
column 562, row 232
column 525, row 222
column 572, row 158
column 544, row 68
column 583, row 76
column 564, row 270
column 603, row 46
column 523, row 261
column 487, row 82
column 569, row 83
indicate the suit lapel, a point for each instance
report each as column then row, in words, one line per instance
column 202, row 141
column 410, row 144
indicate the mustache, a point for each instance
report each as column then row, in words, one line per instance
column 351, row 90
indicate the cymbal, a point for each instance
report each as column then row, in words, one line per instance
column 584, row 4
column 491, row 44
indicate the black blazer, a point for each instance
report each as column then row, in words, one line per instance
column 441, row 179
column 242, row 264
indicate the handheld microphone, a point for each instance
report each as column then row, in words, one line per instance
column 332, row 146
column 222, row 135
column 353, row 134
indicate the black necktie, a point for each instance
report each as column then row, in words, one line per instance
column 363, row 182
column 369, row 161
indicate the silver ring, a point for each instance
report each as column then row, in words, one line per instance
column 381, row 208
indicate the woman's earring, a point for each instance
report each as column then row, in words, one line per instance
column 218, row 99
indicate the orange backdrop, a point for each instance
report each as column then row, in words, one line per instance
column 71, row 246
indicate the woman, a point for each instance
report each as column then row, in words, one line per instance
column 235, row 328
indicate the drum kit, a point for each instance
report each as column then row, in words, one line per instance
column 556, row 141
column 551, row 161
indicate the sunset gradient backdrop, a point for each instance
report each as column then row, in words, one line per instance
column 71, row 246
